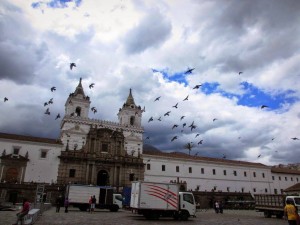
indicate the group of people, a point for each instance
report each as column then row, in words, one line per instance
column 218, row 206
column 59, row 202
column 92, row 203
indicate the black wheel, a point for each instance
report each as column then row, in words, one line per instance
column 176, row 216
column 114, row 208
column 184, row 215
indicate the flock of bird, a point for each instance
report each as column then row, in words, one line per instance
column 183, row 124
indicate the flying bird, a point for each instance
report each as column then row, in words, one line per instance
column 159, row 119
column 93, row 108
column 224, row 156
column 174, row 138
column 189, row 71
column 91, row 85
column 157, row 99
column 175, row 106
column 5, row 99
column 193, row 127
column 46, row 103
column 181, row 118
column 197, row 86
column 197, row 135
column 53, row 89
column 147, row 138
column 50, row 101
column 294, row 138
column 183, row 125
column 264, row 106
column 72, row 65
column 151, row 119
column 259, row 156
column 58, row 116
column 167, row 113
column 240, row 73
column 174, row 126
column 200, row 142
column 214, row 119
column 47, row 111
column 186, row 98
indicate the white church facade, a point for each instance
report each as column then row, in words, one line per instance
column 102, row 152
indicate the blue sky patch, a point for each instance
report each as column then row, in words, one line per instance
column 179, row 77
column 55, row 3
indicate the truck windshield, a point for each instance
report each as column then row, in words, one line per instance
column 297, row 201
column 188, row 198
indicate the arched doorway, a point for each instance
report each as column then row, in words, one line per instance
column 102, row 178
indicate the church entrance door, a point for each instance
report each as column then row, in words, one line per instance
column 102, row 178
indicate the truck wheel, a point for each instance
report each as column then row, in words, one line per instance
column 267, row 214
column 176, row 216
column 114, row 208
column 184, row 215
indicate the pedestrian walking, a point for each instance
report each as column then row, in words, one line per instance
column 90, row 204
column 58, row 203
column 217, row 206
column 290, row 212
column 93, row 204
column 66, row 204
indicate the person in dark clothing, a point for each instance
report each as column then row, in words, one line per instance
column 66, row 204
column 93, row 204
column 58, row 203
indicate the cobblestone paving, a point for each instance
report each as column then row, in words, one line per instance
column 104, row 217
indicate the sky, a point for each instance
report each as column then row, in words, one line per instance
column 242, row 55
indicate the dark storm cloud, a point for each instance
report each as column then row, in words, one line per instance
column 152, row 31
column 275, row 20
column 19, row 54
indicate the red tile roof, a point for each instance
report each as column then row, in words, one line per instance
column 18, row 137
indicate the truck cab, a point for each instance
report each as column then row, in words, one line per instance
column 118, row 200
column 295, row 200
column 188, row 204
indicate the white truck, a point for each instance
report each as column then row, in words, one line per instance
column 153, row 200
column 79, row 195
column 273, row 204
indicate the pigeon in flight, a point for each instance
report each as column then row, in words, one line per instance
column 181, row 118
column 47, row 111
column 157, row 99
column 186, row 98
column 200, row 142
column 46, row 103
column 91, row 85
column 72, row 65
column 175, row 106
column 189, row 71
column 58, row 116
column 53, row 89
column 214, row 119
column 50, row 101
column 294, row 138
column 197, row 135
column 174, row 126
column 264, row 106
column 197, row 86
column 259, row 156
column 240, row 73
column 167, row 113
column 159, row 119
column 5, row 99
column 93, row 108
column 183, row 125
column 147, row 138
column 151, row 119
column 174, row 138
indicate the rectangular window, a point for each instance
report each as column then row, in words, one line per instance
column 243, row 190
column 279, row 178
column 254, row 189
column 275, row 191
column 234, row 173
column 72, row 173
column 273, row 178
column 104, row 147
column 148, row 166
column 285, row 178
column 291, row 179
column 190, row 169
column 245, row 174
column 224, row 172
column 177, row 169
column 131, row 177
column 297, row 179
column 263, row 175
column 163, row 167
column 266, row 190
column 228, row 189
column 43, row 154
column 202, row 170
column 16, row 150
column 214, row 172
column 254, row 174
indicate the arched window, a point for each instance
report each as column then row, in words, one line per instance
column 78, row 111
column 132, row 120
column 11, row 175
